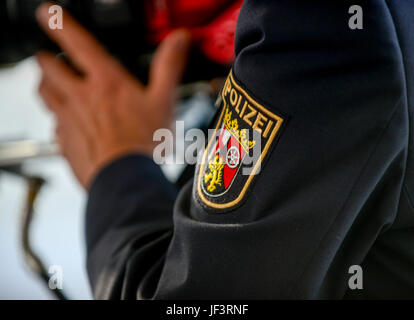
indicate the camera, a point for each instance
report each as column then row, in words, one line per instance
column 122, row 26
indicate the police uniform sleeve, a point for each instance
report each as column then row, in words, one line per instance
column 128, row 226
column 328, row 105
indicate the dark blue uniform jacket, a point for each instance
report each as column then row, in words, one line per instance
column 336, row 181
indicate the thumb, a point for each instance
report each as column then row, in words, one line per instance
column 169, row 64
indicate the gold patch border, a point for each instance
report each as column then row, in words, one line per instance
column 276, row 129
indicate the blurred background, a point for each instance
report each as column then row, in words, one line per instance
column 57, row 232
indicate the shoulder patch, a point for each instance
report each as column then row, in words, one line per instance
column 244, row 133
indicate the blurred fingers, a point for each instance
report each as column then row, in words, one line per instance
column 79, row 44
column 58, row 72
column 169, row 64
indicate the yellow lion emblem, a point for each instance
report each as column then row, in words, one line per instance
column 214, row 174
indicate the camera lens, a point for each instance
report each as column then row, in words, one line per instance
column 20, row 35
column 112, row 21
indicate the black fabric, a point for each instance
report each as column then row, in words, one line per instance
column 336, row 190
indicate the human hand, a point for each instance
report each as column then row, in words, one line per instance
column 106, row 112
